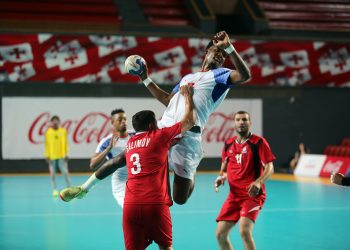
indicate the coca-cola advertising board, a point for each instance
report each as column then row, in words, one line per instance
column 87, row 120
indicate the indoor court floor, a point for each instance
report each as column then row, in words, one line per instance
column 298, row 214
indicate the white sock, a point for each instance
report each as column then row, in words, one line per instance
column 92, row 181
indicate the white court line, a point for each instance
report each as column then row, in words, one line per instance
column 273, row 210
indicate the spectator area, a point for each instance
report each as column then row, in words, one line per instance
column 59, row 15
column 165, row 13
column 339, row 150
column 313, row 15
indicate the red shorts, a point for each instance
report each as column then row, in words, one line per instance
column 235, row 208
column 145, row 223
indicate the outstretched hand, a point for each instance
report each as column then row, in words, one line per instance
column 144, row 73
column 221, row 40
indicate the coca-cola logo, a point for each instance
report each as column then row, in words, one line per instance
column 90, row 128
column 93, row 126
column 219, row 128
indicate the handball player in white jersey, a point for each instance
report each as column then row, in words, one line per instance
column 111, row 146
column 211, row 85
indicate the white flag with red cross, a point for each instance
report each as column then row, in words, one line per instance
column 199, row 45
column 171, row 57
column 167, row 76
column 299, row 77
column 117, row 62
column 249, row 56
column 295, row 59
column 109, row 44
column 335, row 61
column 22, row 72
column 66, row 56
column 16, row 53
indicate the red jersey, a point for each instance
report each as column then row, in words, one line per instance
column 241, row 169
column 147, row 163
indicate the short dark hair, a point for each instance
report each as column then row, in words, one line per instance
column 117, row 111
column 142, row 119
column 241, row 112
column 55, row 117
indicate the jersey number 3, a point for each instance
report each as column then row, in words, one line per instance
column 135, row 160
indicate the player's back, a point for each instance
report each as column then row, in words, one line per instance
column 146, row 157
column 210, row 89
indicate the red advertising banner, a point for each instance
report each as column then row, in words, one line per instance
column 335, row 164
column 100, row 59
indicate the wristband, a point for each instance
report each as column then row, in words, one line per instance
column 229, row 49
column 147, row 81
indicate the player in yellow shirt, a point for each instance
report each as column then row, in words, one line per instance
column 56, row 152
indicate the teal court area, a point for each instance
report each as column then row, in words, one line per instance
column 296, row 216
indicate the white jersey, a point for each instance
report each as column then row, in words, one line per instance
column 210, row 89
column 120, row 176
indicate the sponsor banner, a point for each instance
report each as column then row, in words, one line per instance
column 310, row 165
column 87, row 120
column 100, row 58
column 335, row 164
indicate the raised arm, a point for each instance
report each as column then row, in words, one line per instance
column 100, row 157
column 110, row 166
column 161, row 95
column 242, row 72
column 189, row 118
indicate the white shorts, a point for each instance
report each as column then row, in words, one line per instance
column 185, row 156
column 119, row 179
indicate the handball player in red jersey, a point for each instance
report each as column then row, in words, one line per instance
column 247, row 160
column 146, row 214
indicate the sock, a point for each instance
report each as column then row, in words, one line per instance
column 90, row 183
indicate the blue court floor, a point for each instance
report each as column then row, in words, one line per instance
column 296, row 216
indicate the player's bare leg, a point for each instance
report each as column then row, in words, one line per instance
column 223, row 230
column 105, row 170
column 246, row 231
column 182, row 189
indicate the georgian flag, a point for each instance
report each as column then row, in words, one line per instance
column 118, row 62
column 22, row 72
column 66, row 56
column 267, row 66
column 335, row 62
column 249, row 56
column 299, row 77
column 171, row 57
column 199, row 45
column 109, row 44
column 168, row 76
column 295, row 59
column 16, row 53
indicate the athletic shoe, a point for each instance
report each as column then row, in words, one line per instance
column 71, row 193
column 55, row 193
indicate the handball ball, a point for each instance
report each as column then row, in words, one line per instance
column 135, row 65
